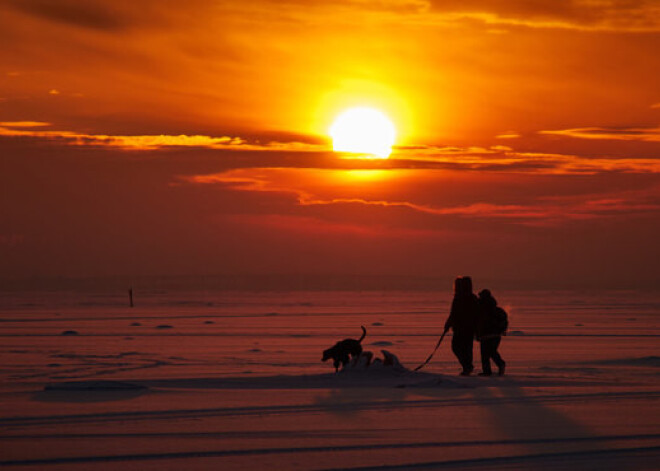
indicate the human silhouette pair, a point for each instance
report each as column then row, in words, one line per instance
column 476, row 317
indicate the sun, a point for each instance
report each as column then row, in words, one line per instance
column 363, row 131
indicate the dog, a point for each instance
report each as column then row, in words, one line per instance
column 344, row 349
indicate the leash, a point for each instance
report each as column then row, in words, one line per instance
column 437, row 345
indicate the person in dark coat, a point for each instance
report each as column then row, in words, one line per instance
column 463, row 322
column 492, row 323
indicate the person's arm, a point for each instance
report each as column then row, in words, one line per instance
column 450, row 320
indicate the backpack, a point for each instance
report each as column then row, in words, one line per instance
column 501, row 320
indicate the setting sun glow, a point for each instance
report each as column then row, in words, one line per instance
column 363, row 131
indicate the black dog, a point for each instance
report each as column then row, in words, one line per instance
column 341, row 350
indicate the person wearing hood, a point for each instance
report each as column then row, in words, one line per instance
column 492, row 324
column 463, row 320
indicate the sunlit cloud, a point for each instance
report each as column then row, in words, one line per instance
column 586, row 15
column 23, row 124
column 126, row 142
column 144, row 142
column 540, row 213
column 505, row 158
column 132, row 47
column 476, row 158
column 620, row 134
column 508, row 135
column 537, row 212
column 200, row 142
column 583, row 15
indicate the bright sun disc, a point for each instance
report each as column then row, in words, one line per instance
column 363, row 131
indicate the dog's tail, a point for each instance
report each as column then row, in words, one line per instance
column 364, row 333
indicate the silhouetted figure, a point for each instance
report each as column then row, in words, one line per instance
column 491, row 325
column 463, row 322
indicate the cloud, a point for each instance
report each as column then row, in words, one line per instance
column 602, row 133
column 182, row 64
column 585, row 15
column 126, row 142
column 539, row 211
column 145, row 142
column 636, row 16
column 496, row 158
column 508, row 135
column 87, row 14
column 504, row 158
column 23, row 124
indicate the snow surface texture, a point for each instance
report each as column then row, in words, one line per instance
column 366, row 362
column 232, row 386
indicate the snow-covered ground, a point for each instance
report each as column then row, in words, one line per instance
column 235, row 381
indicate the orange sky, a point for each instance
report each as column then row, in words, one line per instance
column 190, row 137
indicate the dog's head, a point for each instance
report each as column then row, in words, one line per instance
column 327, row 354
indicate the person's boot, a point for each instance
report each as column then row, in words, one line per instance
column 485, row 373
column 500, row 372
